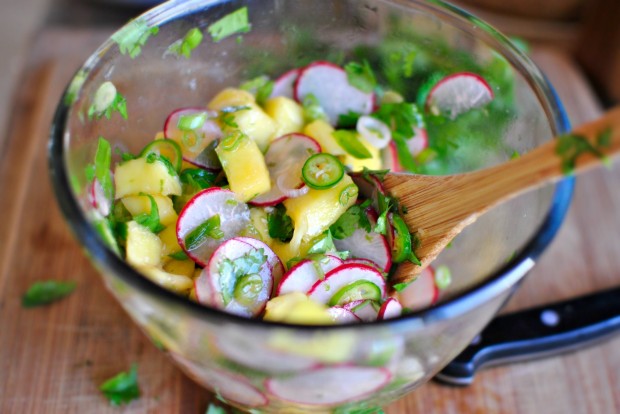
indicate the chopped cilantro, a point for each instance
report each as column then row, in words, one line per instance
column 350, row 142
column 210, row 228
column 227, row 116
column 279, row 224
column 233, row 23
column 355, row 217
column 46, row 292
column 399, row 287
column 569, row 147
column 261, row 87
column 381, row 225
column 325, row 244
column 603, row 140
column 380, row 174
column 312, row 109
column 122, row 388
column 180, row 255
column 184, row 47
column 197, row 179
column 133, row 36
column 360, row 76
column 107, row 100
column 348, row 120
column 233, row 271
column 150, row 220
column 101, row 167
column 515, row 154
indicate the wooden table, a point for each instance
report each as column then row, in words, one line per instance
column 52, row 359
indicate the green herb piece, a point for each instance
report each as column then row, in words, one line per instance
column 227, row 116
column 150, row 220
column 399, row 287
column 350, row 142
column 570, row 147
column 379, row 174
column 443, row 277
column 280, row 225
column 261, row 87
column 107, row 230
column 152, row 157
column 210, row 228
column 46, row 292
column 180, row 255
column 232, row 141
column 74, row 87
column 361, row 76
column 515, row 154
column 122, row 388
column 349, row 192
column 363, row 410
column 106, row 101
column 233, row 23
column 312, row 109
column 185, row 46
column 133, row 36
column 325, row 244
column 197, row 179
column 348, row 120
column 381, row 225
column 355, row 217
column 233, row 271
column 214, row 409
column 101, row 168
column 192, row 122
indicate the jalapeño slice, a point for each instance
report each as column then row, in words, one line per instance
column 167, row 148
column 322, row 171
column 358, row 290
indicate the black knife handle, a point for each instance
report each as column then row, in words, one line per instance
column 538, row 332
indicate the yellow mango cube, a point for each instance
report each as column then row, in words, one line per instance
column 357, row 164
column 244, row 165
column 287, row 113
column 169, row 241
column 179, row 267
column 258, row 227
column 321, row 131
column 176, row 283
column 139, row 176
column 297, row 307
column 143, row 247
column 142, row 205
column 231, row 97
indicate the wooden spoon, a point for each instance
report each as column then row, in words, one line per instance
column 439, row 207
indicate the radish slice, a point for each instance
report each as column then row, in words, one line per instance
column 329, row 84
column 277, row 268
column 459, row 93
column 284, row 158
column 374, row 131
column 233, row 388
column 291, row 187
column 283, row 86
column 343, row 276
column 421, row 293
column 244, row 295
column 391, row 308
column 302, row 276
column 234, row 218
column 366, row 262
column 196, row 141
column 418, row 142
column 372, row 246
column 341, row 315
column 365, row 310
column 389, row 157
column 203, row 289
column 329, row 385
column 98, row 199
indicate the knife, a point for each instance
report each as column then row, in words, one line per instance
column 538, row 332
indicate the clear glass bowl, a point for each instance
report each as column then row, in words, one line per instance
column 274, row 367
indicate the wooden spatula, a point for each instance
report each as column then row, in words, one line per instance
column 439, row 207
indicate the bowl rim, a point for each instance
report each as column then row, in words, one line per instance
column 504, row 279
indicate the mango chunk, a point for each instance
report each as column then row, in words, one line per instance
column 287, row 113
column 143, row 247
column 170, row 243
column 321, row 131
column 297, row 307
column 179, row 267
column 357, row 164
column 137, row 205
column 176, row 283
column 244, row 165
column 258, row 227
column 139, row 176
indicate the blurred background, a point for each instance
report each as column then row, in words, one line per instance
column 587, row 30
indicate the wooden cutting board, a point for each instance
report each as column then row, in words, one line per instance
column 52, row 359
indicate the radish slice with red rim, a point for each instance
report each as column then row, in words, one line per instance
column 240, row 277
column 234, row 217
column 389, row 157
column 302, row 276
column 98, row 199
column 196, row 132
column 346, row 282
column 376, row 132
column 459, row 93
column 372, row 246
column 330, row 86
column 365, row 310
column 421, row 293
column 329, row 386
column 291, row 187
column 391, row 308
column 418, row 142
column 341, row 315
column 284, row 85
column 362, row 261
column 203, row 289
column 284, row 158
column 277, row 268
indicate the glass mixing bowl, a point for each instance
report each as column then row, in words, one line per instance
column 275, row 367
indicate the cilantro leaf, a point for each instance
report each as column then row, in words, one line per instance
column 312, row 109
column 361, row 76
column 350, row 142
column 279, row 224
column 210, row 228
column 150, row 220
column 133, row 36
column 325, row 244
column 197, row 179
column 46, row 292
column 355, row 217
column 122, row 388
column 233, row 271
column 185, row 46
column 381, row 225
column 380, row 174
column 233, row 23
column 399, row 287
column 570, row 147
column 261, row 87
column 103, row 160
column 348, row 120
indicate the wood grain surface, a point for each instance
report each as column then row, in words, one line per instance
column 53, row 358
